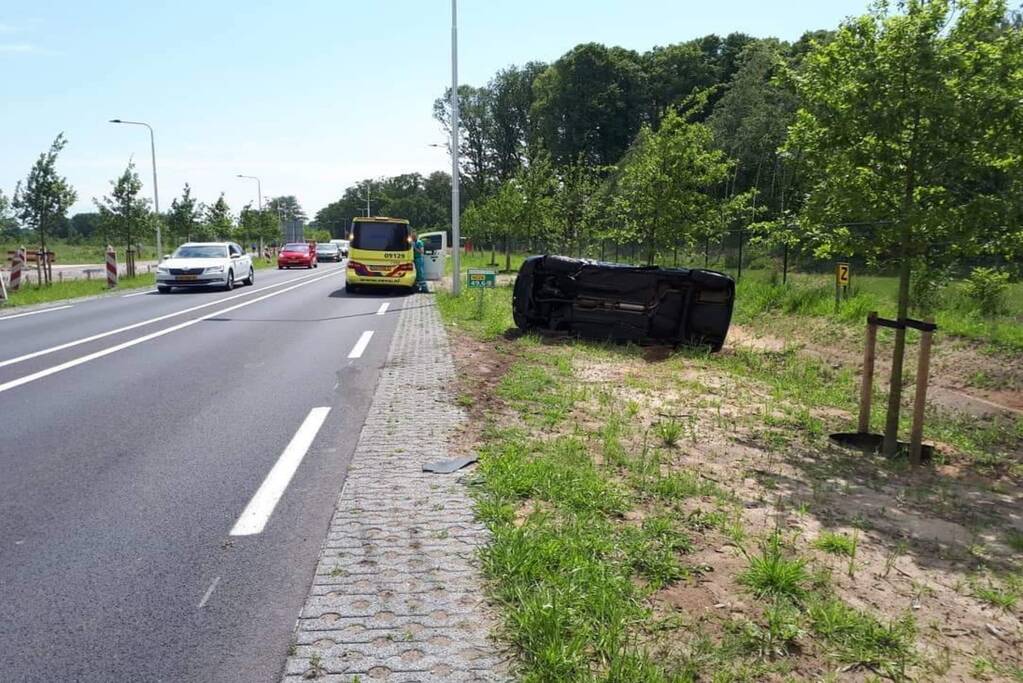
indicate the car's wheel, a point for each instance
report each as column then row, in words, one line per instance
column 250, row 279
column 316, row 265
column 229, row 285
column 280, row 267
column 163, row 290
column 351, row 289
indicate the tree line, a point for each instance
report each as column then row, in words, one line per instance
column 37, row 212
column 893, row 138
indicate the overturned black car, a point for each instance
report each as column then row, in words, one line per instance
column 624, row 303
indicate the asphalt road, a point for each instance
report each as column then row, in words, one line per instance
column 127, row 460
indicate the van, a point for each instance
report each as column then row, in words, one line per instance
column 380, row 254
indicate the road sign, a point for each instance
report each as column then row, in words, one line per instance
column 842, row 274
column 479, row 278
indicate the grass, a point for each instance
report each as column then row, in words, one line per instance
column 808, row 295
column 72, row 289
column 836, row 544
column 773, row 573
column 74, row 253
column 856, row 638
column 489, row 322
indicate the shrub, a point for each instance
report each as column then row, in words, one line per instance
column 985, row 288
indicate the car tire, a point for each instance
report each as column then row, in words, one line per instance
column 229, row 285
column 163, row 290
column 316, row 265
column 251, row 279
column 280, row 267
column 351, row 289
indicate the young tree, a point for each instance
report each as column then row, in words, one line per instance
column 9, row 229
column 910, row 122
column 183, row 220
column 287, row 207
column 124, row 215
column 666, row 181
column 45, row 197
column 219, row 222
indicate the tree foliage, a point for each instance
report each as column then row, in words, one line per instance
column 44, row 198
column 124, row 216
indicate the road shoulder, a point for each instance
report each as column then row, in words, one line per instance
column 397, row 593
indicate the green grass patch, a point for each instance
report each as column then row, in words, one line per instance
column 774, row 573
column 807, row 295
column 72, row 289
column 836, row 544
column 856, row 638
column 488, row 320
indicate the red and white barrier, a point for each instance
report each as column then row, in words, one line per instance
column 17, row 263
column 111, row 267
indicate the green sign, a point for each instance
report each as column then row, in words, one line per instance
column 478, row 278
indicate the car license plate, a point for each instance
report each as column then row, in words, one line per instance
column 188, row 277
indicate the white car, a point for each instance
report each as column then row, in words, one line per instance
column 205, row 264
column 342, row 245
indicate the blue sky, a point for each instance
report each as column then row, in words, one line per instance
column 310, row 96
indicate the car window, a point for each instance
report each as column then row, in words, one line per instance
column 200, row 251
column 234, row 249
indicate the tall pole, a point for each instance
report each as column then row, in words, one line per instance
column 456, row 275
column 156, row 190
column 259, row 195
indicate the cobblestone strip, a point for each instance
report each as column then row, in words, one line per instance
column 397, row 595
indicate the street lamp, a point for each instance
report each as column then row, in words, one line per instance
column 368, row 187
column 156, row 191
column 259, row 194
column 259, row 187
column 456, row 275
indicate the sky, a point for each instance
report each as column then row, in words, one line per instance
column 308, row 96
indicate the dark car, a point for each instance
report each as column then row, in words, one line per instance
column 624, row 303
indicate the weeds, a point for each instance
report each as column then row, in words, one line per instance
column 836, row 544
column 773, row 574
column 859, row 639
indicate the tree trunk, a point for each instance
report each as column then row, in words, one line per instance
column 785, row 264
column 890, row 445
column 706, row 252
column 507, row 253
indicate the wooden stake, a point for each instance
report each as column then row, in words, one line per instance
column 923, row 368
column 867, row 383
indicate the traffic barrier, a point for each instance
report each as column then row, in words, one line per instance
column 111, row 267
column 17, row 262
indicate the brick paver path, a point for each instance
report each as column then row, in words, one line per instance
column 396, row 595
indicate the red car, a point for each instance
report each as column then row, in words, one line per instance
column 297, row 254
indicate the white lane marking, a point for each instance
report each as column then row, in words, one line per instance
column 209, row 592
column 44, row 310
column 383, row 308
column 119, row 330
column 361, row 345
column 128, row 296
column 152, row 335
column 257, row 513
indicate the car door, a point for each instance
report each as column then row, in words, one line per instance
column 246, row 260
column 236, row 261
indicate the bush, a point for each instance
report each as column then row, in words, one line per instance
column 985, row 289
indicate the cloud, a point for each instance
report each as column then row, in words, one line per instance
column 24, row 49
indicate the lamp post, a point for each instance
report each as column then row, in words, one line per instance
column 368, row 187
column 259, row 194
column 259, row 188
column 156, row 191
column 456, row 275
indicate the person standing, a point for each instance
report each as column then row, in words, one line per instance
column 419, row 259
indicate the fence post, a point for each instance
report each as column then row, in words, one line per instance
column 111, row 267
column 867, row 384
column 3, row 287
column 923, row 368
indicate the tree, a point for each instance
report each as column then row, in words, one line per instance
column 674, row 73
column 183, row 221
column 287, row 207
column 910, row 125
column 590, row 104
column 666, row 183
column 87, row 225
column 124, row 215
column 46, row 196
column 475, row 143
column 218, row 219
column 512, row 129
column 9, row 229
